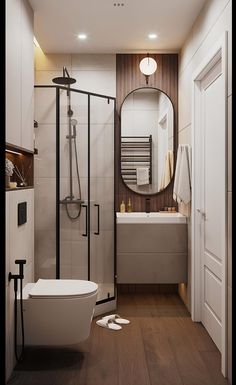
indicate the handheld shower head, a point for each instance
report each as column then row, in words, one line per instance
column 74, row 122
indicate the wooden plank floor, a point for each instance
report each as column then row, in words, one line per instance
column 160, row 346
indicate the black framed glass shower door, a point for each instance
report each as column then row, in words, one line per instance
column 78, row 127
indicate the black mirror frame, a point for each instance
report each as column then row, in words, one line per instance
column 174, row 142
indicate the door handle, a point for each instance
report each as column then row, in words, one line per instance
column 86, row 221
column 203, row 214
column 98, row 223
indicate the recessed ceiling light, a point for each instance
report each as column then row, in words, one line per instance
column 82, row 36
column 152, row 35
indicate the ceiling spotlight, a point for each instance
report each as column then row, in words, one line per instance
column 152, row 35
column 82, row 36
column 148, row 66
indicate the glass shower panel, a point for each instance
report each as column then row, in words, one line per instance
column 102, row 195
column 73, row 185
column 45, row 183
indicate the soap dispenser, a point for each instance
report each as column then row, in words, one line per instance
column 129, row 208
column 122, row 207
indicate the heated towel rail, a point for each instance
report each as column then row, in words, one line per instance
column 136, row 151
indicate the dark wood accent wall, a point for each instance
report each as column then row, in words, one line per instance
column 128, row 78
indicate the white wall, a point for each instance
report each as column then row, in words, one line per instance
column 212, row 22
column 94, row 73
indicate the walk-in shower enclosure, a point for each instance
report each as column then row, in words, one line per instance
column 81, row 248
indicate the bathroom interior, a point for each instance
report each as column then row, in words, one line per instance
column 118, row 192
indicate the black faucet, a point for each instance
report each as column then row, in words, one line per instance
column 147, row 205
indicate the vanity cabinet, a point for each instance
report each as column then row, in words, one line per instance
column 152, row 253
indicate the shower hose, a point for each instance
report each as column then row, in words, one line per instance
column 77, row 171
column 19, row 358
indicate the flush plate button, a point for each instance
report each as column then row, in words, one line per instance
column 22, row 213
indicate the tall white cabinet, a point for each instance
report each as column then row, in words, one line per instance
column 19, row 73
column 19, row 133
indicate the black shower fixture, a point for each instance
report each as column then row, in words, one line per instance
column 65, row 79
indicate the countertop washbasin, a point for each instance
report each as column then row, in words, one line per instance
column 150, row 218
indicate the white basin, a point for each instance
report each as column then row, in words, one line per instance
column 150, row 218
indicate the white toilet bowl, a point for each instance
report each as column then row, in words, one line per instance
column 58, row 311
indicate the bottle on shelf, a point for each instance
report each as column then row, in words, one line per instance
column 129, row 207
column 122, row 207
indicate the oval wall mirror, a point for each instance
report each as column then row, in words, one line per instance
column 147, row 140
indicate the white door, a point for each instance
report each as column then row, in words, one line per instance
column 212, row 201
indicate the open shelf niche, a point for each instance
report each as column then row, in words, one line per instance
column 23, row 160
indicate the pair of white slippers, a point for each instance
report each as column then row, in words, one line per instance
column 112, row 322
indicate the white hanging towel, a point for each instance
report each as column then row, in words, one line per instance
column 177, row 169
column 182, row 183
column 142, row 175
column 168, row 170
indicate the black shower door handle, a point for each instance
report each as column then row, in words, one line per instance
column 86, row 220
column 98, row 228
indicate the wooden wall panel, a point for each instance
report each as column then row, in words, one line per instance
column 128, row 78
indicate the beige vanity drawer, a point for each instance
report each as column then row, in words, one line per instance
column 151, row 267
column 152, row 238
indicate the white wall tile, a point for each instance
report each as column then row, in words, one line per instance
column 101, row 112
column 45, row 271
column 79, row 254
column 79, row 106
column 51, row 62
column 102, row 247
column 44, row 77
column 65, row 272
column 79, row 273
column 94, row 62
column 102, row 161
column 45, row 106
column 45, row 160
column 101, row 82
column 78, row 226
column 45, row 203
column 82, row 151
column 45, row 254
column 145, row 100
column 102, row 193
column 65, row 253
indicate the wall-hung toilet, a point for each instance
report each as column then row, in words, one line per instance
column 58, row 311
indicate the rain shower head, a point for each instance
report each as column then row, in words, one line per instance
column 65, row 79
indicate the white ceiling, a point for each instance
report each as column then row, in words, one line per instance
column 113, row 29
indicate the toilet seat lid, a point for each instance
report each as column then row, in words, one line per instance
column 61, row 288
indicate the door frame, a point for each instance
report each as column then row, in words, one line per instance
column 219, row 50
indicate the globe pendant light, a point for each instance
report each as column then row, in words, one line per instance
column 148, row 66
